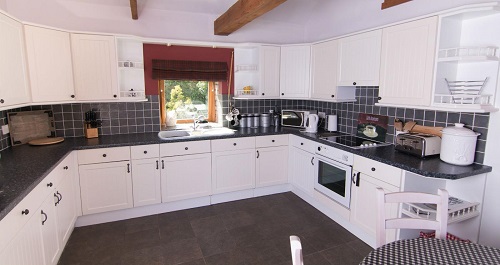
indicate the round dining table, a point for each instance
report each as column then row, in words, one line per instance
column 432, row 251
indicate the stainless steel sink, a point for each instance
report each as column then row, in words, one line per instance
column 165, row 135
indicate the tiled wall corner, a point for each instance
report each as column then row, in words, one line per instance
column 4, row 139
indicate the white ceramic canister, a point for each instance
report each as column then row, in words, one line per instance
column 458, row 145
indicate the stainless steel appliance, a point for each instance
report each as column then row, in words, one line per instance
column 296, row 118
column 418, row 144
column 333, row 174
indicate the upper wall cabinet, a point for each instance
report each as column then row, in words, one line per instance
column 130, row 69
column 467, row 62
column 50, row 66
column 407, row 63
column 360, row 59
column 295, row 71
column 324, row 66
column 257, row 72
column 14, row 88
column 94, row 67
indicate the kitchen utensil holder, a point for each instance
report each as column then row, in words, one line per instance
column 91, row 132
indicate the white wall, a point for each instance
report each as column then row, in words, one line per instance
column 3, row 5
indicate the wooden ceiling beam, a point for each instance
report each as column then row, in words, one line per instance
column 133, row 9
column 391, row 3
column 241, row 13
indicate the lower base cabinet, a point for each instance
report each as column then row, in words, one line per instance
column 49, row 229
column 364, row 205
column 233, row 170
column 301, row 168
column 146, row 181
column 271, row 166
column 186, row 177
column 106, row 187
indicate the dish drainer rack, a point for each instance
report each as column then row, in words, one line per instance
column 465, row 92
column 458, row 210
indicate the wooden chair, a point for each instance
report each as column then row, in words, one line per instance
column 296, row 248
column 439, row 225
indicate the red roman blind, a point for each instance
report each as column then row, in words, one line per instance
column 189, row 70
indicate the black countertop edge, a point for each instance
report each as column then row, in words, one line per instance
column 24, row 167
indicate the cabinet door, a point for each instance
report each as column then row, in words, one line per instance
column 324, row 64
column 301, row 167
column 185, row 177
column 407, row 62
column 14, row 87
column 49, row 227
column 146, row 181
column 295, row 72
column 233, row 170
column 94, row 67
column 26, row 247
column 66, row 208
column 50, row 67
column 269, row 71
column 105, row 187
column 271, row 166
column 364, row 205
column 360, row 59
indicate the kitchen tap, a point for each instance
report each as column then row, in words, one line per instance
column 196, row 120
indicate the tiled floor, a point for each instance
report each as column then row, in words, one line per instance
column 252, row 231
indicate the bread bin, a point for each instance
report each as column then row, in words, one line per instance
column 458, row 145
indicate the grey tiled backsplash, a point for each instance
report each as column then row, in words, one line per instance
column 135, row 117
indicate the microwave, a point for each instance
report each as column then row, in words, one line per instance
column 296, row 118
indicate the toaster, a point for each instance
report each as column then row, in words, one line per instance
column 418, row 144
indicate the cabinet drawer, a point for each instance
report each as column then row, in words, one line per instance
column 303, row 144
column 145, row 151
column 271, row 140
column 103, row 155
column 233, row 144
column 185, row 148
column 380, row 171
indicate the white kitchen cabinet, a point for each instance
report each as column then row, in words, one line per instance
column 271, row 166
column 295, row 71
column 269, row 64
column 94, row 67
column 301, row 169
column 26, row 247
column 233, row 170
column 369, row 175
column 14, row 85
column 407, row 63
column 146, row 181
column 130, row 69
column 186, row 177
column 49, row 229
column 50, row 65
column 106, row 187
column 360, row 59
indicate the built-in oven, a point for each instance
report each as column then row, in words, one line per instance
column 333, row 174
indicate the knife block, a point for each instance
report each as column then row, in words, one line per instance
column 90, row 132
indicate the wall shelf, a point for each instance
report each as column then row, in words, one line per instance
column 458, row 210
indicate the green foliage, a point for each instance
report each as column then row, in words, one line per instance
column 181, row 95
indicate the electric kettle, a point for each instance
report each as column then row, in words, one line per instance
column 312, row 123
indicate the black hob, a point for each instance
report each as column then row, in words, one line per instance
column 354, row 142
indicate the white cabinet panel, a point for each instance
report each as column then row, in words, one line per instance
column 269, row 63
column 103, row 155
column 295, row 72
column 364, row 205
column 49, row 229
column 360, row 59
column 105, row 187
column 14, row 88
column 50, row 66
column 324, row 65
column 94, row 67
column 185, row 148
column 407, row 62
column 146, row 181
column 301, row 168
column 66, row 208
column 271, row 166
column 233, row 170
column 185, row 177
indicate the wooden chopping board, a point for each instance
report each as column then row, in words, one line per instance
column 46, row 141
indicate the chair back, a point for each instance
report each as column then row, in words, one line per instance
column 383, row 223
column 296, row 248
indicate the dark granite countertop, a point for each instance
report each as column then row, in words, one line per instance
column 23, row 167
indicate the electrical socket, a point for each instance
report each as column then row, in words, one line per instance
column 5, row 129
column 322, row 115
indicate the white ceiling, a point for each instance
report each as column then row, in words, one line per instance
column 295, row 21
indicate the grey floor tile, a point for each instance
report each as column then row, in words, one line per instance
column 232, row 257
column 342, row 255
column 181, row 251
column 176, row 230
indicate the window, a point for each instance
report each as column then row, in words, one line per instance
column 184, row 99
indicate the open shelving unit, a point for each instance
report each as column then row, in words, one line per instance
column 130, row 69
